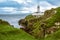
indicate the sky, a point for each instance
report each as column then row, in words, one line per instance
column 26, row 6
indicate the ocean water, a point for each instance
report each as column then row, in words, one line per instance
column 13, row 18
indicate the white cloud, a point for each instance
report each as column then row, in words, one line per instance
column 8, row 9
column 33, row 9
column 2, row 0
column 30, row 9
column 29, row 1
column 20, row 1
column 23, row 1
column 44, row 5
column 25, row 12
column 11, row 10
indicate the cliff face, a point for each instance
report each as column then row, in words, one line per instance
column 37, row 26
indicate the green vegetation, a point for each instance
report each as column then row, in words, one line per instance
column 54, row 36
column 34, row 27
column 8, row 32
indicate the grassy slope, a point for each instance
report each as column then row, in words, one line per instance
column 50, row 22
column 9, row 33
column 55, row 36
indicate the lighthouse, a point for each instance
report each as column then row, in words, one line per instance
column 38, row 9
column 37, row 13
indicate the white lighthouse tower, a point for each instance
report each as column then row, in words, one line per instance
column 38, row 9
column 37, row 13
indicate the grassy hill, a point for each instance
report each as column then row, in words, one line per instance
column 33, row 25
column 50, row 22
column 8, row 32
column 54, row 36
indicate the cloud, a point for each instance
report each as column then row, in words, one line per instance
column 23, row 1
column 44, row 5
column 26, row 2
column 54, row 2
column 25, row 12
column 16, row 6
column 30, row 9
column 24, row 6
column 11, row 10
column 10, row 4
column 20, row 1
column 2, row 0
column 8, row 9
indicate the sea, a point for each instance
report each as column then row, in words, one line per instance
column 13, row 18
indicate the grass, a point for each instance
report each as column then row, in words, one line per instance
column 54, row 36
column 7, row 32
